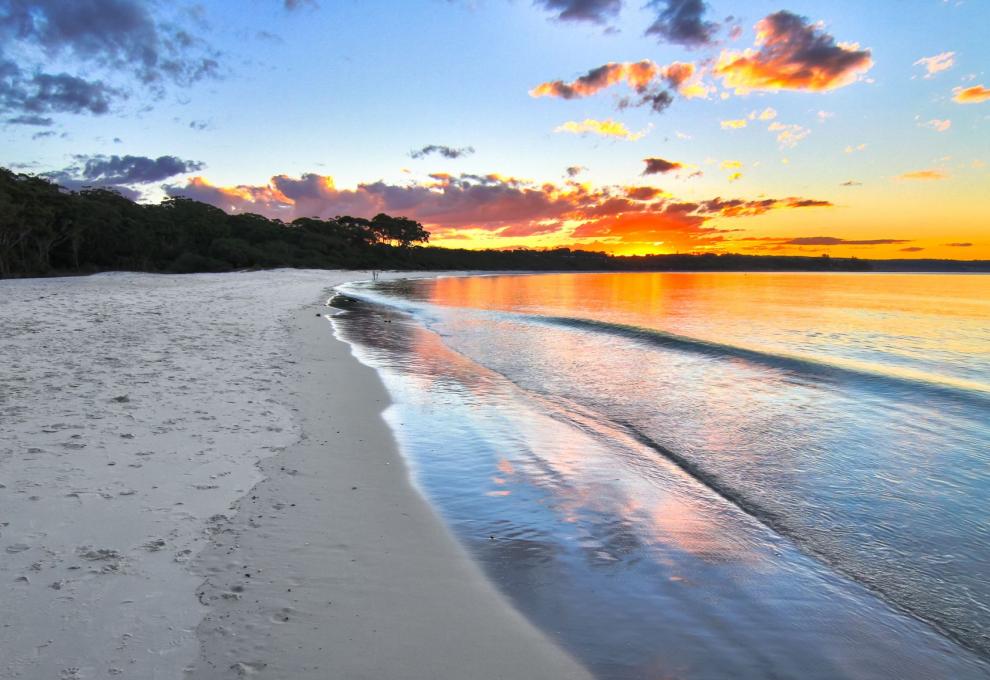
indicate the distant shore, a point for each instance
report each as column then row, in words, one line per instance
column 141, row 536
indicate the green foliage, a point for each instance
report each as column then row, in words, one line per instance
column 45, row 229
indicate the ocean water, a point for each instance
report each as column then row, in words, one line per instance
column 708, row 475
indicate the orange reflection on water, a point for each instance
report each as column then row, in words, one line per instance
column 851, row 317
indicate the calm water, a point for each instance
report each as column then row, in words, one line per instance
column 709, row 475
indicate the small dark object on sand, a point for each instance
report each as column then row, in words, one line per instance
column 123, row 399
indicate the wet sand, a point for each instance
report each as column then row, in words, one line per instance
column 195, row 480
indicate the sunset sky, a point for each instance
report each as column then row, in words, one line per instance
column 791, row 127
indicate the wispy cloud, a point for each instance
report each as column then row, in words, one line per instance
column 440, row 149
column 937, row 63
column 924, row 175
column 602, row 128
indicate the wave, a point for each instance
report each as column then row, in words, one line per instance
column 970, row 392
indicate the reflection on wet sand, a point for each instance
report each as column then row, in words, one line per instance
column 631, row 563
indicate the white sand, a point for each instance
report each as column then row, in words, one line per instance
column 134, row 410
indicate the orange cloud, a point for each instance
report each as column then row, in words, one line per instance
column 492, row 210
column 733, row 124
column 792, row 55
column 636, row 74
column 924, row 175
column 603, row 128
column 971, row 95
column 645, row 77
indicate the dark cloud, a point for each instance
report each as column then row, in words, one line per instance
column 45, row 93
column 575, row 170
column 657, row 100
column 682, row 22
column 958, row 245
column 291, row 5
column 912, row 249
column 117, row 170
column 497, row 205
column 118, row 38
column 834, row 241
column 642, row 193
column 445, row 151
column 645, row 78
column 793, row 54
column 199, row 124
column 118, row 34
column 30, row 119
column 655, row 166
column 594, row 11
column 851, row 183
column 43, row 135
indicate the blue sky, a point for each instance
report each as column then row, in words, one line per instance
column 349, row 89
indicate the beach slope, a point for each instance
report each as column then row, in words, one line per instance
column 195, row 479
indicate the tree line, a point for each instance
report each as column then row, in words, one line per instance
column 46, row 230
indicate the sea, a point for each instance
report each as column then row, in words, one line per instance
column 707, row 475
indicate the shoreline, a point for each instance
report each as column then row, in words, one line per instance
column 139, row 409
column 351, row 570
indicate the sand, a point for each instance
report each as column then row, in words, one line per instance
column 196, row 481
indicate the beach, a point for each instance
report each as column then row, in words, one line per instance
column 196, row 481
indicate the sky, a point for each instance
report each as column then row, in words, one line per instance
column 846, row 128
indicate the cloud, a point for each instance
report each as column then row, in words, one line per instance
column 638, row 75
column 924, row 175
column 30, row 119
column 594, row 11
column 646, row 78
column 938, row 125
column 788, row 135
column 851, row 183
column 445, row 151
column 853, row 149
column 46, row 93
column 733, row 124
column 730, row 165
column 465, row 206
column 937, row 63
column 116, row 170
column 970, row 95
column 602, row 128
column 659, row 166
column 912, row 249
column 575, row 170
column 116, row 34
column 793, row 55
column 958, row 245
column 768, row 113
column 682, row 22
column 834, row 241
column 642, row 193
column 292, row 5
column 116, row 38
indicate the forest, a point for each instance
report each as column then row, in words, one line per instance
column 46, row 230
